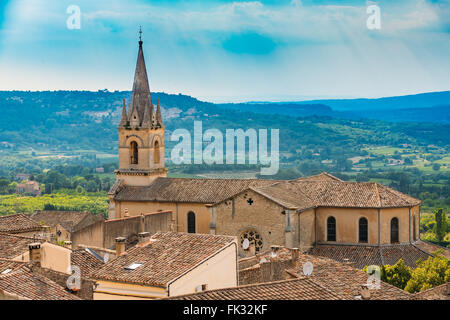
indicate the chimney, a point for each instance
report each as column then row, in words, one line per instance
column 68, row 244
column 35, row 252
column 294, row 257
column 274, row 253
column 120, row 246
column 143, row 237
column 46, row 233
column 365, row 292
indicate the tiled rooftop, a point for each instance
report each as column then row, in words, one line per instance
column 166, row 256
column 18, row 223
column 25, row 284
column 437, row 293
column 305, row 194
column 297, row 289
column 362, row 256
column 187, row 190
column 12, row 246
column 70, row 220
column 86, row 261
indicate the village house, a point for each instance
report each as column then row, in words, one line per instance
column 65, row 225
column 29, row 187
column 24, row 284
column 168, row 264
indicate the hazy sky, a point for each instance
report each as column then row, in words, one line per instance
column 229, row 50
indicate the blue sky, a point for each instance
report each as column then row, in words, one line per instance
column 229, row 50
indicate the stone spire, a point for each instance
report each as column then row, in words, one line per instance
column 158, row 115
column 148, row 118
column 140, row 98
column 124, row 119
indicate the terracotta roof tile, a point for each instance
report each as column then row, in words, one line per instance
column 12, row 246
column 296, row 289
column 25, row 284
column 18, row 223
column 8, row 264
column 437, row 293
column 188, row 190
column 70, row 220
column 362, row 256
column 164, row 258
column 430, row 247
column 86, row 261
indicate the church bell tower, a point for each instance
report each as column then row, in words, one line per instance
column 141, row 133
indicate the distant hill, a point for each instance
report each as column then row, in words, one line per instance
column 422, row 100
column 83, row 120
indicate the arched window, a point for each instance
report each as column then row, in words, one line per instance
column 253, row 237
column 191, row 222
column 331, row 229
column 394, row 230
column 156, row 153
column 363, row 230
column 134, row 152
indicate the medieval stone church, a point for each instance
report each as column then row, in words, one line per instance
column 320, row 214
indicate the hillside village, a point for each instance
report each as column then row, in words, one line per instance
column 213, row 239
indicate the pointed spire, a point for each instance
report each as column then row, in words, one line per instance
column 140, row 98
column 124, row 119
column 158, row 115
column 148, row 118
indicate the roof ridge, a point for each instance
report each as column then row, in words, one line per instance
column 378, row 194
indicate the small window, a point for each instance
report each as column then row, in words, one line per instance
column 363, row 230
column 134, row 266
column 394, row 230
column 331, row 229
column 156, row 153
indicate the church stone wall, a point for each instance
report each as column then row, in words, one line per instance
column 263, row 215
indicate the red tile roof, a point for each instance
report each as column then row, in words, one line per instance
column 297, row 289
column 25, row 284
column 362, row 256
column 441, row 292
column 87, row 262
column 18, row 223
column 12, row 246
column 167, row 256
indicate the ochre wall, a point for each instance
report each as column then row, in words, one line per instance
column 91, row 235
column 180, row 211
column 216, row 272
column 306, row 232
column 108, row 290
column 347, row 224
column 263, row 215
column 403, row 220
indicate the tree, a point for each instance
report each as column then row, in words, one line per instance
column 398, row 275
column 430, row 273
column 440, row 228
